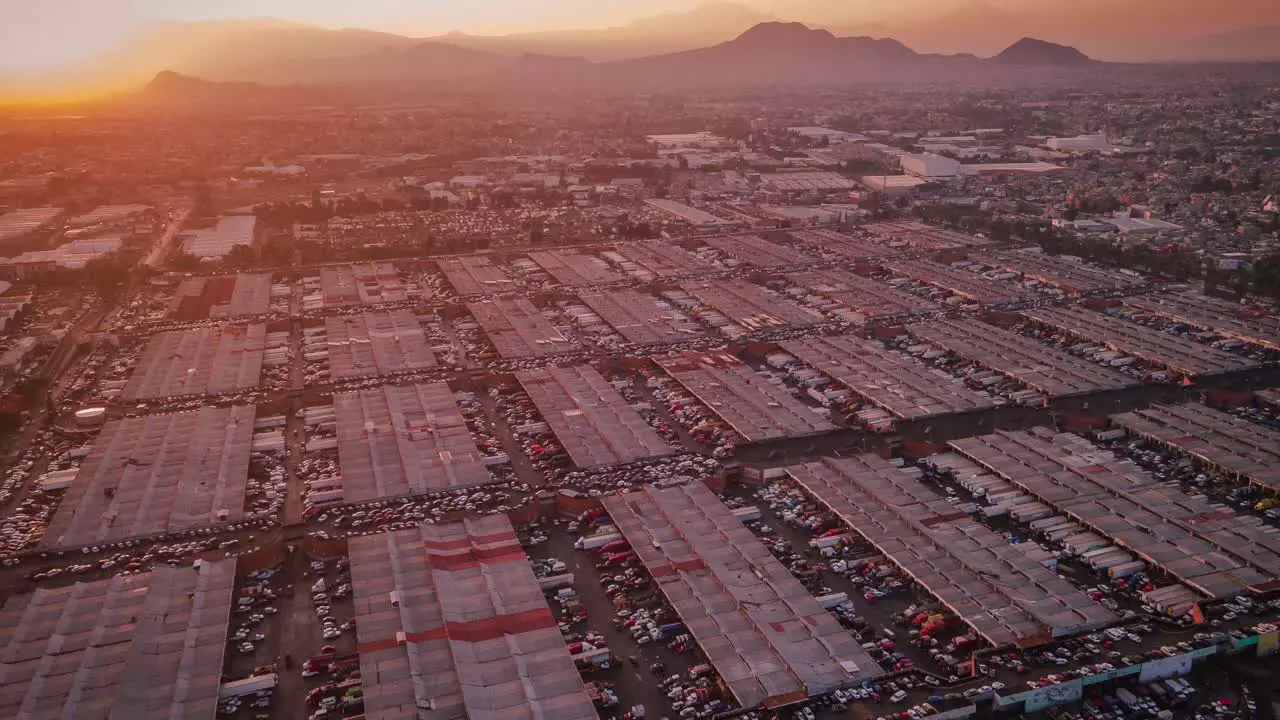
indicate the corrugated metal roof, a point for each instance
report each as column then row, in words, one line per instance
column 755, row 409
column 1073, row 277
column 757, row 251
column 896, row 382
column 474, row 275
column 663, row 259
column 480, row 640
column 863, row 295
column 1223, row 441
column 198, row 361
column 1177, row 353
column 640, row 318
column 1005, row 595
column 750, row 305
column 517, row 328
column 166, row 473
column 596, row 426
column 1208, row 547
column 764, row 633
column 361, row 284
column 961, row 282
column 574, row 269
column 376, row 343
column 404, row 440
column 1223, row 316
column 1045, row 368
column 140, row 646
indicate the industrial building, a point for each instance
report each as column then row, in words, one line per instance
column 932, row 167
column 848, row 246
column 451, row 623
column 361, row 284
column 1179, row 354
column 767, row 637
column 210, row 360
column 961, row 282
column 376, row 343
column 918, row 235
column 640, row 318
column 756, row 251
column 807, row 182
column 243, row 295
column 1241, row 322
column 755, row 408
column 890, row 380
column 574, row 269
column 748, row 305
column 866, row 298
column 73, row 255
column 395, row 441
column 518, row 329
column 1205, row 546
column 999, row 589
column 474, row 275
column 217, row 242
column 1223, row 442
column 19, row 223
column 106, row 215
column 147, row 646
column 1072, row 277
column 594, row 423
column 1038, row 366
column 158, row 474
column 662, row 260
column 700, row 219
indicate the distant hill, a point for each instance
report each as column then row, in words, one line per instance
column 701, row 26
column 1030, row 51
column 169, row 85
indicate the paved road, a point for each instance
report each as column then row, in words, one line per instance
column 161, row 247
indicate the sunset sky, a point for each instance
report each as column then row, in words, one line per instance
column 43, row 33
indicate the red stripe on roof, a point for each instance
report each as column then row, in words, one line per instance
column 469, row 541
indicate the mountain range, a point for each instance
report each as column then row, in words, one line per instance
column 721, row 43
column 770, row 53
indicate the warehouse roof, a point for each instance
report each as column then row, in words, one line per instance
column 639, row 317
column 573, row 268
column 137, row 646
column 1044, row 368
column 596, row 426
column 757, row 251
column 1000, row 591
column 517, row 328
column 156, row 474
column 756, row 409
column 851, row 247
column 376, row 343
column 1207, row 547
column 241, row 295
column 1223, row 441
column 919, row 235
column 404, row 440
column 1179, row 354
column 766, row 636
column 198, row 361
column 1069, row 276
column 453, row 625
column 662, row 259
column 361, row 284
column 960, row 282
column 898, row 383
column 750, row 305
column 474, row 275
column 1248, row 323
column 865, row 296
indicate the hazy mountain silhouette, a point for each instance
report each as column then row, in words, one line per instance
column 768, row 53
column 1030, row 51
column 672, row 32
